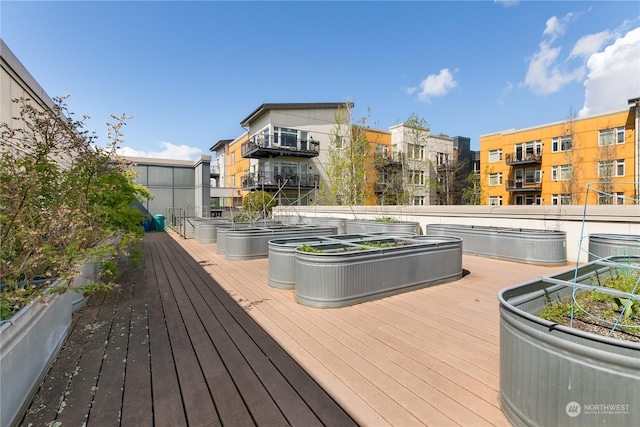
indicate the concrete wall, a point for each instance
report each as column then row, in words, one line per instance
column 576, row 221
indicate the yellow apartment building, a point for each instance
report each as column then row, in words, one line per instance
column 591, row 159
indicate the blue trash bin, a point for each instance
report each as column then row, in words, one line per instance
column 159, row 220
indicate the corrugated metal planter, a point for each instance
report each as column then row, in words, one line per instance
column 29, row 342
column 221, row 247
column 343, row 274
column 372, row 226
column 253, row 243
column 606, row 245
column 282, row 255
column 552, row 374
column 543, row 247
column 341, row 223
column 206, row 229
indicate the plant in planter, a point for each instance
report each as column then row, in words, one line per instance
column 64, row 203
column 61, row 197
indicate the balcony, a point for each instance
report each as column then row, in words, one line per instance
column 214, row 172
column 262, row 146
column 386, row 160
column 269, row 181
column 522, row 186
column 388, row 187
column 520, row 158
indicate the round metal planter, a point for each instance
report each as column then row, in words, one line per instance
column 552, row 375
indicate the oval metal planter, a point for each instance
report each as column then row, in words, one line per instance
column 282, row 255
column 370, row 226
column 253, row 243
column 605, row 245
column 340, row 223
column 552, row 374
column 206, row 229
column 341, row 276
column 542, row 247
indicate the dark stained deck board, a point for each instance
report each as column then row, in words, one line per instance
column 284, row 395
column 106, row 406
column 137, row 407
column 300, row 380
column 172, row 348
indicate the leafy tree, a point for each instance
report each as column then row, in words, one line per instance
column 259, row 202
column 346, row 165
column 471, row 191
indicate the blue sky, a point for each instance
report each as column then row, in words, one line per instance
column 189, row 72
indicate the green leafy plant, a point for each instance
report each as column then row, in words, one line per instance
column 62, row 199
column 386, row 219
column 308, row 248
column 259, row 202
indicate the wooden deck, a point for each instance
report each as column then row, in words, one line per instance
column 171, row 348
column 427, row 357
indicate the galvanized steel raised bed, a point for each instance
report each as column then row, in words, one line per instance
column 282, row 255
column 552, row 374
column 251, row 243
column 372, row 226
column 543, row 247
column 606, row 245
column 346, row 273
column 206, row 229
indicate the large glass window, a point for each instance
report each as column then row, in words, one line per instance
column 561, row 199
column 495, row 200
column 495, row 178
column 610, row 168
column 561, row 173
column 562, row 143
column 495, row 156
column 611, row 136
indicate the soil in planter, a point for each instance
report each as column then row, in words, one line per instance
column 600, row 307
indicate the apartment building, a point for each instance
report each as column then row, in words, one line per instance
column 591, row 159
column 286, row 152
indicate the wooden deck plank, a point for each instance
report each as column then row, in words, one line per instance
column 290, row 396
column 167, row 399
column 78, row 399
column 440, row 345
column 137, row 403
column 46, row 403
column 106, row 406
column 197, row 401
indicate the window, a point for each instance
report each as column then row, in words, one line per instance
column 415, row 151
column 561, row 173
column 611, row 136
column 495, row 200
column 417, row 201
column 610, row 168
column 416, row 177
column 233, row 158
column 562, row 143
column 532, row 199
column 495, row 156
column 233, row 181
column 532, row 176
column 561, row 199
column 443, row 159
column 611, row 199
column 495, row 178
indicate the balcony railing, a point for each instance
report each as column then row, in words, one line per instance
column 261, row 146
column 214, row 171
column 520, row 158
column 388, row 187
column 384, row 160
column 269, row 181
column 522, row 186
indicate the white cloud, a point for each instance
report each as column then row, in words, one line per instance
column 548, row 72
column 590, row 44
column 411, row 90
column 169, row 151
column 613, row 75
column 507, row 3
column 436, row 85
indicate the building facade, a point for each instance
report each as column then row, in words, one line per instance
column 287, row 151
column 592, row 160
